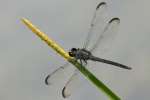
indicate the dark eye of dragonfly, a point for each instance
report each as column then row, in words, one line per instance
column 73, row 50
column 71, row 54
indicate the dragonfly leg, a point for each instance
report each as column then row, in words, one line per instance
column 81, row 62
column 85, row 61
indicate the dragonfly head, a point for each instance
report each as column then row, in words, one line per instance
column 72, row 52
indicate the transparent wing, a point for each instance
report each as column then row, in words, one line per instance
column 97, row 24
column 53, row 77
column 107, row 36
column 102, row 30
column 72, row 85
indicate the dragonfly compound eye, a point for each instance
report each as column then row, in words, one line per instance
column 73, row 49
column 71, row 54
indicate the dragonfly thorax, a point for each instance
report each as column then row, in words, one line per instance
column 80, row 53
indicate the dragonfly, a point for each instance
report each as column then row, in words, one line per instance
column 100, row 34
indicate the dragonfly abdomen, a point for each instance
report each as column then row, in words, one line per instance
column 109, row 62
